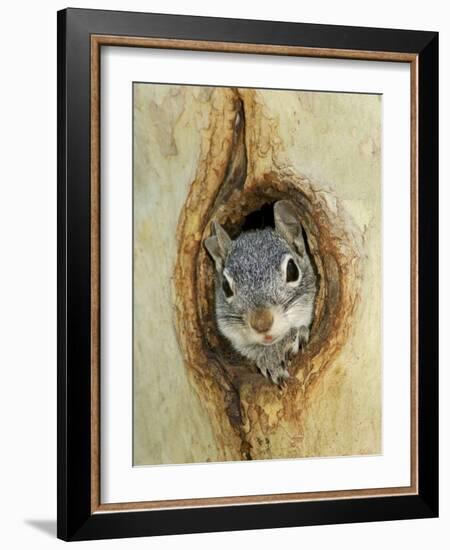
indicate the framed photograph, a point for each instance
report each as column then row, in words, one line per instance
column 247, row 257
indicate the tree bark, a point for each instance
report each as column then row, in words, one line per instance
column 321, row 151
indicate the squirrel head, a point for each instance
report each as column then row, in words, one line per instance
column 265, row 283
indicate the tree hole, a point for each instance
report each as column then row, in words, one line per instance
column 259, row 219
column 250, row 212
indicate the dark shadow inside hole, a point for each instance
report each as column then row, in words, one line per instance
column 259, row 219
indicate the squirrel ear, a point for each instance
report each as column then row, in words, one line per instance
column 288, row 225
column 222, row 238
column 218, row 245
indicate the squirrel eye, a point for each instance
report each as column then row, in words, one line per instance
column 227, row 288
column 292, row 272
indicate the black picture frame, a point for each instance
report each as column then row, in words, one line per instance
column 76, row 521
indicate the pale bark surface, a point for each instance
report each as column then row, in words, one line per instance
column 194, row 399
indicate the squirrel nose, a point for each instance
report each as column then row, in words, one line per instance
column 261, row 319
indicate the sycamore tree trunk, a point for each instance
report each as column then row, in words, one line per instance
column 204, row 153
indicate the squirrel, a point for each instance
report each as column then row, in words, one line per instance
column 265, row 287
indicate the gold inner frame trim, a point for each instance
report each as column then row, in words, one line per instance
column 97, row 41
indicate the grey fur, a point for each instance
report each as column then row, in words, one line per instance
column 253, row 267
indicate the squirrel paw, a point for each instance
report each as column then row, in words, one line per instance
column 263, row 370
column 279, row 375
column 303, row 337
column 293, row 348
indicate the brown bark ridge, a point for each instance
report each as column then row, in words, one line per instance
column 239, row 172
